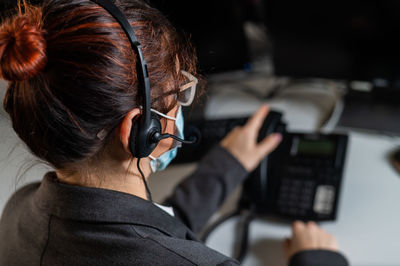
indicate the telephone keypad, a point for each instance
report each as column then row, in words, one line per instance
column 307, row 186
column 295, row 196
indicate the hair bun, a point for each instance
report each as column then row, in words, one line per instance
column 22, row 47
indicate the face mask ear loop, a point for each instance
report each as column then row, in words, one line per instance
column 163, row 115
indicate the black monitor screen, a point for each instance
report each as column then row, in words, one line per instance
column 335, row 39
column 215, row 28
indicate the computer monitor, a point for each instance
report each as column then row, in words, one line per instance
column 215, row 27
column 352, row 40
column 347, row 40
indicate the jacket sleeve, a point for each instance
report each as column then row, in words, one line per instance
column 318, row 258
column 308, row 258
column 200, row 195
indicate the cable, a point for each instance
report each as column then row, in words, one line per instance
column 144, row 181
column 243, row 241
column 243, row 235
column 217, row 223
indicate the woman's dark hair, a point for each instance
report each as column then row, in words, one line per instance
column 72, row 73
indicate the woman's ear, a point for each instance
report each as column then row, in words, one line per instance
column 126, row 126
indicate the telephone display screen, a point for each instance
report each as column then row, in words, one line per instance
column 316, row 147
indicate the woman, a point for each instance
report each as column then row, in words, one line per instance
column 74, row 98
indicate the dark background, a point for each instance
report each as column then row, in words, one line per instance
column 344, row 40
column 352, row 40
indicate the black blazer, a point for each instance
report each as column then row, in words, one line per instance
column 50, row 223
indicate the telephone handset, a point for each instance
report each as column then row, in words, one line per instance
column 210, row 132
column 300, row 180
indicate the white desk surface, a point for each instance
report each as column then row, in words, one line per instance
column 368, row 223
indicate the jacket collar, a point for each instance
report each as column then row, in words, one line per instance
column 102, row 205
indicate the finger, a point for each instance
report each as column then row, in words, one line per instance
column 328, row 241
column 313, row 229
column 297, row 226
column 268, row 144
column 256, row 120
column 312, row 224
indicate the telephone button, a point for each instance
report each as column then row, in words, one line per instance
column 324, row 199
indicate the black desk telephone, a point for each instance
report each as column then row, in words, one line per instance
column 300, row 180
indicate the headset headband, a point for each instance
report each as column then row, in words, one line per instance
column 143, row 74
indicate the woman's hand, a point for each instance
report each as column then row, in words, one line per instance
column 241, row 142
column 307, row 236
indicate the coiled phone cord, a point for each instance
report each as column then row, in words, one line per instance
column 243, row 231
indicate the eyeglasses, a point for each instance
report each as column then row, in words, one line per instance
column 186, row 93
column 185, row 97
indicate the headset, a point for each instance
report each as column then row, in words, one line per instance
column 145, row 133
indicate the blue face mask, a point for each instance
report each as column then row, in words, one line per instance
column 160, row 163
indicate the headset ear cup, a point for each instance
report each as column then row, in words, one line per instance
column 154, row 127
column 141, row 143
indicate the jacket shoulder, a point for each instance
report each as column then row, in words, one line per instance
column 182, row 250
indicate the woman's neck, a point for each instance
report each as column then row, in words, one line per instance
column 111, row 175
